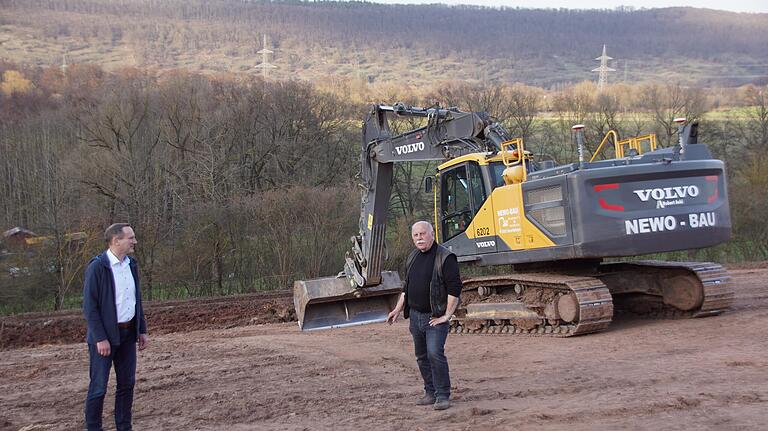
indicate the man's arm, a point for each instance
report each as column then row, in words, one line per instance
column 143, row 337
column 92, row 312
column 140, row 319
column 453, row 302
column 393, row 315
column 453, row 285
column 143, row 340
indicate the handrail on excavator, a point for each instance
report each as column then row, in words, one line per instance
column 518, row 153
column 635, row 143
column 605, row 139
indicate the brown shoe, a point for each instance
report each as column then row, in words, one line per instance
column 441, row 404
column 425, row 400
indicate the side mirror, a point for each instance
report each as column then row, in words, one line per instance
column 428, row 184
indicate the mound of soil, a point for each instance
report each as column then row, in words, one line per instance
column 163, row 317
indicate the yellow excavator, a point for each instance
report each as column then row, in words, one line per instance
column 549, row 228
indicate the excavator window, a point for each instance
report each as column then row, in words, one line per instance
column 455, row 202
column 497, row 169
column 477, row 190
column 462, row 195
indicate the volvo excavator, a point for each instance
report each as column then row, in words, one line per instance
column 552, row 234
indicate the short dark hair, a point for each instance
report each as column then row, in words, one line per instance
column 115, row 231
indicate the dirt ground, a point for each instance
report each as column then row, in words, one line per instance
column 224, row 366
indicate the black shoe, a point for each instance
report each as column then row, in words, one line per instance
column 425, row 400
column 441, row 404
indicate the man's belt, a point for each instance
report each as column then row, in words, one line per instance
column 126, row 325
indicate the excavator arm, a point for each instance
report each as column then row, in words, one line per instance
column 364, row 292
column 448, row 133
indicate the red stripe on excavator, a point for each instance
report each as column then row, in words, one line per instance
column 600, row 187
column 610, row 207
column 713, row 198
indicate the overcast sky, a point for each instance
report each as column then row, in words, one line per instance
column 760, row 6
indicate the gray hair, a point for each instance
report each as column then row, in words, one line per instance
column 431, row 228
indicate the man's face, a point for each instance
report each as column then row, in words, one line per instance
column 422, row 236
column 124, row 244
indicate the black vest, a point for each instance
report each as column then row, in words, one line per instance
column 438, row 294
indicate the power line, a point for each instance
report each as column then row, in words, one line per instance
column 602, row 77
column 265, row 65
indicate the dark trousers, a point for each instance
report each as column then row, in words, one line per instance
column 429, row 343
column 124, row 358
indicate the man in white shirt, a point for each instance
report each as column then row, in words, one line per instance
column 115, row 316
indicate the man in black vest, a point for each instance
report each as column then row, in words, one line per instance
column 112, row 307
column 430, row 296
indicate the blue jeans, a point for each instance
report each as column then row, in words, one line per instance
column 429, row 343
column 124, row 358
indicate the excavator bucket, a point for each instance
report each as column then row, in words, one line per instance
column 331, row 302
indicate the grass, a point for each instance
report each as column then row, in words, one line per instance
column 160, row 292
column 42, row 305
column 731, row 113
column 736, row 251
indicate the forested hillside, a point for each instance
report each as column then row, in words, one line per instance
column 234, row 184
column 386, row 43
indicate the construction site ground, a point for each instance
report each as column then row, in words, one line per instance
column 240, row 363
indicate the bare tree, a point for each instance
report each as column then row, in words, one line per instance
column 523, row 104
column 125, row 158
column 669, row 101
column 573, row 105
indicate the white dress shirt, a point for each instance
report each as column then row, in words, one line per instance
column 125, row 287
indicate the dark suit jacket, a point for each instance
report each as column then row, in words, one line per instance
column 99, row 302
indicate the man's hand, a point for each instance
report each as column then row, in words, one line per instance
column 143, row 340
column 453, row 302
column 392, row 316
column 103, row 348
column 438, row 320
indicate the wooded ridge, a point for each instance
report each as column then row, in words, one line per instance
column 373, row 42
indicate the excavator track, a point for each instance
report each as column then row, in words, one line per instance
column 708, row 280
column 587, row 298
column 653, row 289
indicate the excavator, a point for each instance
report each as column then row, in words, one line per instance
column 554, row 239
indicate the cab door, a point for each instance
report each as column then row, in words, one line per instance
column 462, row 194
